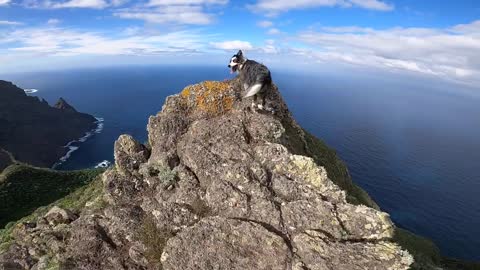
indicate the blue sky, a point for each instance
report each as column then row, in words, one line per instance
column 440, row 39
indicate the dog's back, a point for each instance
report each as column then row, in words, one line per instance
column 255, row 73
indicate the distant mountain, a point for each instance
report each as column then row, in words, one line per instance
column 33, row 131
column 63, row 105
column 5, row 159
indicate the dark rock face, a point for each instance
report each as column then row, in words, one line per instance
column 221, row 188
column 63, row 105
column 33, row 131
column 5, row 159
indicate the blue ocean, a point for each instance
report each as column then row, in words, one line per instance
column 415, row 147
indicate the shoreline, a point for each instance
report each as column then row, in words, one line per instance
column 72, row 148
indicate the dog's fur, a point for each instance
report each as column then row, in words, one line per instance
column 253, row 76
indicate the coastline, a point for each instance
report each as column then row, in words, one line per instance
column 74, row 144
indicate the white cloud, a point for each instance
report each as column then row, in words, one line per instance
column 372, row 4
column 10, row 23
column 186, row 2
column 4, row 2
column 471, row 28
column 269, row 47
column 88, row 4
column 274, row 7
column 265, row 24
column 450, row 53
column 53, row 21
column 96, row 4
column 54, row 41
column 193, row 15
column 232, row 45
column 273, row 31
column 191, row 12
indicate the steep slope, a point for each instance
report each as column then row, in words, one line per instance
column 35, row 132
column 24, row 188
column 5, row 159
column 219, row 186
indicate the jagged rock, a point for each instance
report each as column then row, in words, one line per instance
column 224, row 187
column 129, row 154
column 57, row 215
column 62, row 104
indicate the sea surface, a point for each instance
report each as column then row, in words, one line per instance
column 413, row 145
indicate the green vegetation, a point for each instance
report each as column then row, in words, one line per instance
column 337, row 170
column 24, row 188
column 153, row 238
column 75, row 201
column 426, row 253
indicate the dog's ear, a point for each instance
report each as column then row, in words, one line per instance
column 240, row 53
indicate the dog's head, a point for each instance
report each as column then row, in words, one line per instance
column 236, row 61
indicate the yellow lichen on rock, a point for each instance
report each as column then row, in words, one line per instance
column 185, row 92
column 212, row 97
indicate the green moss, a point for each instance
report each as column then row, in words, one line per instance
column 53, row 264
column 24, row 188
column 154, row 239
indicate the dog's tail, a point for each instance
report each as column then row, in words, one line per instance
column 253, row 90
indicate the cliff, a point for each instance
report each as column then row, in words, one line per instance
column 62, row 104
column 218, row 186
column 6, row 159
column 34, row 132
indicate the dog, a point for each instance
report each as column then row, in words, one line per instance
column 255, row 77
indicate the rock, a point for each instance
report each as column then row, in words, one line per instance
column 317, row 250
column 5, row 159
column 223, row 187
column 226, row 244
column 57, row 215
column 63, row 105
column 129, row 154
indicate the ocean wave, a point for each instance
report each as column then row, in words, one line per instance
column 103, row 164
column 30, row 91
column 72, row 145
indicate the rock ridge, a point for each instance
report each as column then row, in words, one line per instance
column 218, row 186
column 35, row 132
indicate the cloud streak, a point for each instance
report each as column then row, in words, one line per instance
column 10, row 23
column 232, row 45
column 83, row 4
column 57, row 41
column 275, row 7
column 189, row 12
column 450, row 53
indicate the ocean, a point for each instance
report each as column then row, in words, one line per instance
column 413, row 146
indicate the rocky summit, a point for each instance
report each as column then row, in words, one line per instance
column 219, row 185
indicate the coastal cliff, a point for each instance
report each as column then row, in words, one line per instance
column 34, row 132
column 217, row 186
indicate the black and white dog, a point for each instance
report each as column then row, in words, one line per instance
column 254, row 77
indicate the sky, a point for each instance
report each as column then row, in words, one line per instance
column 432, row 38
